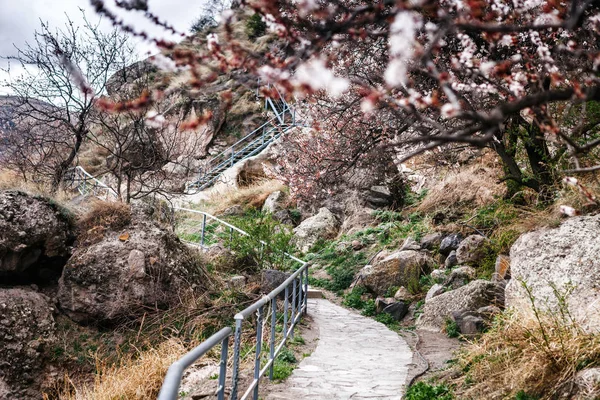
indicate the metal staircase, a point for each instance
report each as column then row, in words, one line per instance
column 79, row 179
column 282, row 118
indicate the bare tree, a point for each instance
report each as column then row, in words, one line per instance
column 148, row 152
column 65, row 69
column 210, row 14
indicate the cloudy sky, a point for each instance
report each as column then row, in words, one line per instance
column 20, row 18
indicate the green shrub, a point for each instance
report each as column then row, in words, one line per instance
column 451, row 328
column 387, row 320
column 524, row 396
column 250, row 250
column 286, row 355
column 354, row 299
column 341, row 265
column 282, row 370
column 425, row 391
column 255, row 26
column 284, row 364
column 369, row 308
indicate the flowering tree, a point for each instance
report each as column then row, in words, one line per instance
column 518, row 76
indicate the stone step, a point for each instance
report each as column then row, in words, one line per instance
column 314, row 294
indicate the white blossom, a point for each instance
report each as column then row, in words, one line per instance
column 317, row 76
column 449, row 110
column 305, row 7
column 154, row 119
column 270, row 74
column 568, row 211
column 272, row 25
column 401, row 42
column 212, row 41
column 164, row 63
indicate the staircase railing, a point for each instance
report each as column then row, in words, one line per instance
column 79, row 179
column 292, row 292
column 251, row 144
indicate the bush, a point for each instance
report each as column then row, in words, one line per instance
column 103, row 216
column 284, row 364
column 255, row 26
column 451, row 328
column 425, row 391
column 250, row 250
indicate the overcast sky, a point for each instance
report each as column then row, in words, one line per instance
column 20, row 18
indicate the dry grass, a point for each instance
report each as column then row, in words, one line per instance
column 474, row 186
column 135, row 377
column 103, row 216
column 539, row 357
column 10, row 180
column 252, row 196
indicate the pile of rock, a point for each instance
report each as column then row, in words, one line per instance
column 139, row 265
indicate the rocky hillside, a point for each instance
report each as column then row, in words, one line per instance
column 61, row 275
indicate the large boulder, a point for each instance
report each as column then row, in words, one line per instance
column 471, row 250
column 26, row 331
column 137, row 265
column 380, row 196
column 274, row 202
column 432, row 241
column 564, row 259
column 35, row 237
column 401, row 268
column 450, row 242
column 471, row 297
column 324, row 225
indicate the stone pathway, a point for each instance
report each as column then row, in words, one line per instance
column 356, row 358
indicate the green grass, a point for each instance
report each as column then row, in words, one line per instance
column 451, row 328
column 425, row 391
column 284, row 364
column 340, row 264
column 524, row 396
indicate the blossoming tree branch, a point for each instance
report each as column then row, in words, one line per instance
column 379, row 76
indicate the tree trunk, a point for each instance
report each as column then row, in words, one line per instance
column 62, row 168
column 539, row 157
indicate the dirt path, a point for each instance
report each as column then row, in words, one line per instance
column 355, row 358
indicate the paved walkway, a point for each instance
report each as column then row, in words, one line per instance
column 356, row 358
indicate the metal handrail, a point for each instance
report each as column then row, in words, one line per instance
column 293, row 309
column 254, row 140
column 83, row 181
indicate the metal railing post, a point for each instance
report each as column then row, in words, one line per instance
column 285, row 311
column 306, row 292
column 232, row 156
column 236, row 358
column 293, row 308
column 223, row 369
column 300, row 294
column 203, row 230
column 272, row 346
column 258, row 350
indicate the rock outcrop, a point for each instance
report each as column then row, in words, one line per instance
column 450, row 242
column 26, row 330
column 471, row 250
column 139, row 265
column 274, row 202
column 35, row 238
column 324, row 225
column 566, row 260
column 397, row 269
column 471, row 297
